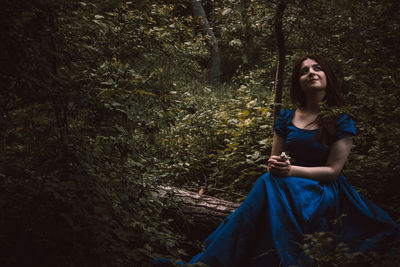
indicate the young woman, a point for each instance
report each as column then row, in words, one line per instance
column 304, row 194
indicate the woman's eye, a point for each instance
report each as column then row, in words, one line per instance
column 317, row 68
column 303, row 71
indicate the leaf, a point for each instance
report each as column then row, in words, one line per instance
column 201, row 191
column 226, row 11
column 236, row 42
column 108, row 82
column 142, row 92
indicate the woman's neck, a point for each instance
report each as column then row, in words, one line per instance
column 313, row 101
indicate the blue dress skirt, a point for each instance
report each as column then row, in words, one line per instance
column 269, row 226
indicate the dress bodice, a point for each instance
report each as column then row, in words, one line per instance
column 302, row 145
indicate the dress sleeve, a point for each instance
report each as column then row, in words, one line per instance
column 345, row 127
column 280, row 125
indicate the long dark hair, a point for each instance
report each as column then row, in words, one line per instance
column 333, row 97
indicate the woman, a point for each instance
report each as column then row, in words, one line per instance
column 305, row 195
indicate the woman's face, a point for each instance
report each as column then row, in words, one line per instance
column 312, row 77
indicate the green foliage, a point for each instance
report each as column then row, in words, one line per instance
column 244, row 39
column 321, row 249
column 219, row 141
column 103, row 100
column 87, row 89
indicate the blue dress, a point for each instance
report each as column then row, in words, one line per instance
column 268, row 227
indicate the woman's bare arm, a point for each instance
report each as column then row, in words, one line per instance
column 278, row 145
column 337, row 157
column 334, row 165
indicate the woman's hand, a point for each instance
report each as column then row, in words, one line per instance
column 279, row 166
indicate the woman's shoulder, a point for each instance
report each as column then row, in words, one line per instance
column 344, row 119
column 287, row 113
column 282, row 121
column 345, row 126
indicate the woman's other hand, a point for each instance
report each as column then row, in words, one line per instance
column 279, row 166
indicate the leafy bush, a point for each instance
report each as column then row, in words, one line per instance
column 102, row 100
column 77, row 125
column 321, row 249
column 219, row 141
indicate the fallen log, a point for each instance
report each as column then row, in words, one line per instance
column 201, row 214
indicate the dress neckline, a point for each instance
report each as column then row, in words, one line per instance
column 308, row 130
column 291, row 122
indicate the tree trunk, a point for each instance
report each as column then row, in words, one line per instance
column 215, row 61
column 280, row 40
column 201, row 214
